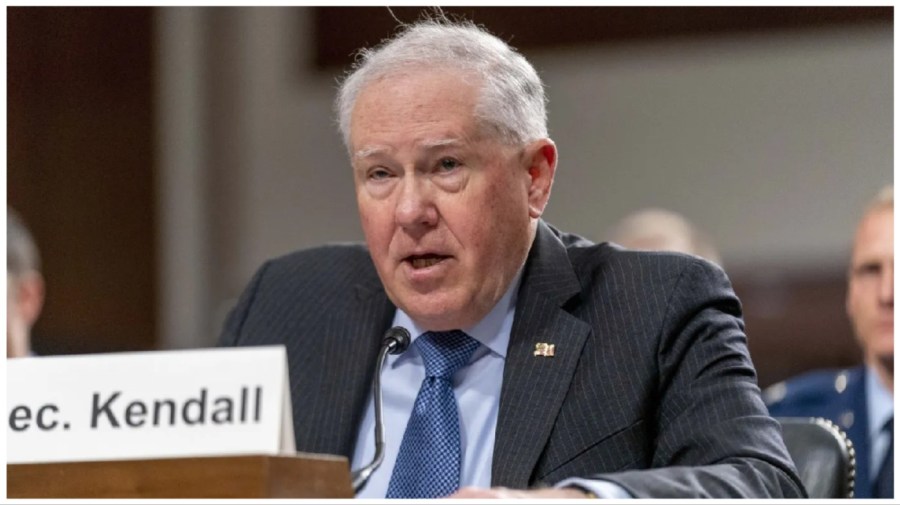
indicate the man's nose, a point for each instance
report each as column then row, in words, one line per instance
column 415, row 206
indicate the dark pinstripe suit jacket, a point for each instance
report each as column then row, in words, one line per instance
column 651, row 386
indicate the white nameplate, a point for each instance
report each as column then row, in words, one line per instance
column 148, row 405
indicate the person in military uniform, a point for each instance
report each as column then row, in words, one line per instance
column 860, row 399
column 24, row 286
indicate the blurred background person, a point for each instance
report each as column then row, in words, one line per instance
column 860, row 399
column 24, row 286
column 655, row 229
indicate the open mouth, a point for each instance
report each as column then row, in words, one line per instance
column 425, row 260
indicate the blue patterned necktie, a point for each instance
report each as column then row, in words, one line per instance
column 884, row 481
column 429, row 462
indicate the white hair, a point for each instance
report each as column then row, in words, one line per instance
column 22, row 254
column 511, row 104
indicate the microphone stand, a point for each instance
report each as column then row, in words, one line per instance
column 396, row 341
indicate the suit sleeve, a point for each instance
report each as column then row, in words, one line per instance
column 714, row 437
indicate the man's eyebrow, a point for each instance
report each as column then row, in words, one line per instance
column 435, row 143
column 427, row 144
column 365, row 152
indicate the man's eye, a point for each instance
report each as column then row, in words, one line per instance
column 870, row 269
column 379, row 173
column 448, row 164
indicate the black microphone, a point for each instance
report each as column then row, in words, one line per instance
column 396, row 341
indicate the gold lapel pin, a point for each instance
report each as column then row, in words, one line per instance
column 544, row 349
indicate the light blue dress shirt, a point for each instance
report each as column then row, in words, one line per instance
column 477, row 389
column 880, row 403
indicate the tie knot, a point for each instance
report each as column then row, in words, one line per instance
column 445, row 352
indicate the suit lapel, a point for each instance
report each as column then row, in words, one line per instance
column 534, row 387
column 372, row 317
column 345, row 372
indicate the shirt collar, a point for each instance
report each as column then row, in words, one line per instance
column 492, row 331
column 879, row 402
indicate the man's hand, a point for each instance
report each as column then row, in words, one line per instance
column 502, row 492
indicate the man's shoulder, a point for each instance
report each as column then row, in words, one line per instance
column 327, row 264
column 818, row 389
column 610, row 260
column 342, row 250
column 610, row 252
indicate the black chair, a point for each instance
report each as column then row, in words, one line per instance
column 823, row 454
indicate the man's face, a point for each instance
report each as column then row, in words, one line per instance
column 870, row 294
column 448, row 213
column 14, row 324
column 24, row 300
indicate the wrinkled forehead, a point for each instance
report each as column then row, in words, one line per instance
column 878, row 218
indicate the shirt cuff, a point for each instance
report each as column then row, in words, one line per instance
column 601, row 488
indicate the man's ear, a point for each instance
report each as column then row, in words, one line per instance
column 540, row 158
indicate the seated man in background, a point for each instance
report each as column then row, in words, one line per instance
column 24, row 286
column 859, row 400
column 654, row 229
column 540, row 361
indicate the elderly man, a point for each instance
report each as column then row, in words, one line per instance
column 24, row 286
column 860, row 400
column 541, row 365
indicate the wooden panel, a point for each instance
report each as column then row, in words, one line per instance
column 80, row 170
column 340, row 31
column 796, row 322
column 305, row 476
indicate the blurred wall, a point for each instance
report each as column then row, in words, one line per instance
column 771, row 142
column 80, row 170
